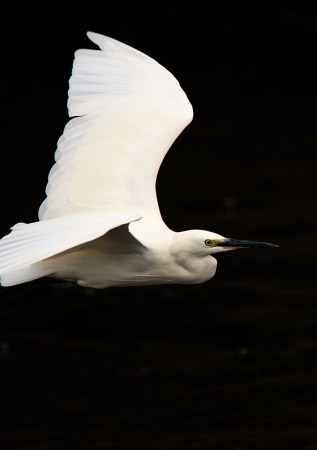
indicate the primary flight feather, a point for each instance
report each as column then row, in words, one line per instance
column 100, row 224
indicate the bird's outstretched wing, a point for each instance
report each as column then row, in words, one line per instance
column 31, row 243
column 130, row 110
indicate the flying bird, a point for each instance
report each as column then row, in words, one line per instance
column 100, row 224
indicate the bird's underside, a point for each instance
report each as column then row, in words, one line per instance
column 118, row 259
column 114, row 259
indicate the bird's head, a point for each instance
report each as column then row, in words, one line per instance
column 202, row 243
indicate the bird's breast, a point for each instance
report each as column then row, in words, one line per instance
column 196, row 270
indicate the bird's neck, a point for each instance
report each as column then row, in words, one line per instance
column 199, row 268
column 151, row 232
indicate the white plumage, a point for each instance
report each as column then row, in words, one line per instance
column 131, row 110
column 127, row 110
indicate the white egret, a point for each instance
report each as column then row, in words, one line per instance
column 100, row 224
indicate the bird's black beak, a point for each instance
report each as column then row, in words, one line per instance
column 237, row 243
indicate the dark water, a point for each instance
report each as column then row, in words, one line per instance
column 230, row 364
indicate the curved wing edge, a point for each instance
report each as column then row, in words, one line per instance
column 28, row 244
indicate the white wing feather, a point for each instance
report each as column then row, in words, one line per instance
column 131, row 110
column 28, row 244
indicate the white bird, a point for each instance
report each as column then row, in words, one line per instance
column 100, row 224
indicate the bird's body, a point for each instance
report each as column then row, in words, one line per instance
column 100, row 224
column 118, row 259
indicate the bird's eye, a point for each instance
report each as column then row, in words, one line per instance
column 209, row 242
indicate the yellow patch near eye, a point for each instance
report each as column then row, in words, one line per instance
column 213, row 243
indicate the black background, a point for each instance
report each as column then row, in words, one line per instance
column 230, row 364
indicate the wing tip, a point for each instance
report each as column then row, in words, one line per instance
column 107, row 43
column 96, row 38
column 102, row 41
